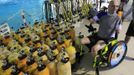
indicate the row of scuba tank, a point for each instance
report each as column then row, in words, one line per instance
column 43, row 49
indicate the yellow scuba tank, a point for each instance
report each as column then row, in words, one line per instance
column 21, row 59
column 38, row 29
column 61, row 39
column 52, row 66
column 21, row 39
column 70, row 49
column 63, row 65
column 56, row 27
column 47, row 26
column 44, row 34
column 27, row 30
column 60, row 42
column 36, row 23
column 49, row 31
column 37, row 44
column 68, row 40
column 6, row 40
column 16, row 35
column 51, row 27
column 16, row 71
column 52, row 62
column 25, row 48
column 53, row 47
column 41, row 34
column 14, row 46
column 46, row 38
column 42, row 24
column 31, row 64
column 6, row 67
column 28, row 40
column 41, row 69
column 21, row 29
column 12, row 58
column 72, row 54
column 53, row 31
column 11, row 42
column 4, row 52
column 44, row 58
column 58, row 31
column 45, row 46
column 40, row 53
column 33, row 51
column 53, row 39
column 34, row 37
column 36, row 40
column 50, row 55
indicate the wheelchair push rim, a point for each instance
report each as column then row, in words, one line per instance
column 117, row 54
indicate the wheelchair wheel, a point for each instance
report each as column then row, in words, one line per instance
column 117, row 54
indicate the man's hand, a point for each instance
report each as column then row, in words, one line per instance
column 92, row 21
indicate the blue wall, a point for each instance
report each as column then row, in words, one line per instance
column 10, row 11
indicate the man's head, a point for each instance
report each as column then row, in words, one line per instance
column 111, row 7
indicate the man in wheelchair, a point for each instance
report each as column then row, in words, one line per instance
column 110, row 24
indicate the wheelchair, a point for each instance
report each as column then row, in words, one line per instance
column 111, row 55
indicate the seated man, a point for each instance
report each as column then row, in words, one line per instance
column 110, row 24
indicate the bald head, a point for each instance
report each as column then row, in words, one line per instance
column 111, row 7
column 111, row 2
